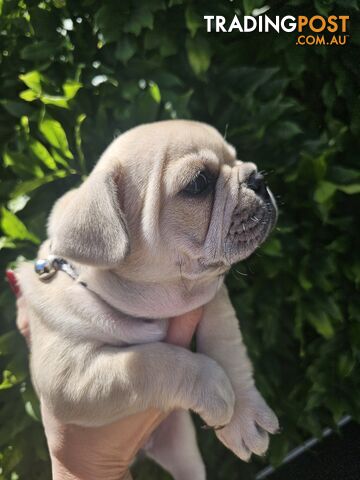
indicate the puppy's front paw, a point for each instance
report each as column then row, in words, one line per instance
column 215, row 397
column 248, row 430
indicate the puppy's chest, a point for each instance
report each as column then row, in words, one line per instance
column 148, row 300
column 101, row 321
column 135, row 313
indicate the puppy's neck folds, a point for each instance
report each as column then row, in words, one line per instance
column 146, row 299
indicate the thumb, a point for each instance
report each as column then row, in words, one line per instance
column 11, row 278
column 22, row 320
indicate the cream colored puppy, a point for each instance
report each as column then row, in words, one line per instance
column 151, row 234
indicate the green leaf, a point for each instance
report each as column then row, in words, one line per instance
column 55, row 135
column 8, row 381
column 40, row 50
column 342, row 174
column 155, row 91
column 42, row 154
column 59, row 159
column 139, row 18
column 30, row 410
column 32, row 80
column 106, row 20
column 193, row 20
column 14, row 228
column 22, row 164
column 78, row 142
column 31, row 402
column 272, row 247
column 324, row 191
column 287, row 130
column 279, row 448
column 24, row 122
column 18, row 203
column 346, row 364
column 9, row 342
column 250, row 5
column 5, row 242
column 199, row 54
column 29, row 95
column 304, row 281
column 44, row 23
column 125, row 49
column 350, row 189
column 17, row 109
column 322, row 324
column 70, row 88
column 323, row 7
column 56, row 100
column 30, row 185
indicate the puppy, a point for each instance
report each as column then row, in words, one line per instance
column 150, row 234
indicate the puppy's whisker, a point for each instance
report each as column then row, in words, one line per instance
column 240, row 273
column 248, row 267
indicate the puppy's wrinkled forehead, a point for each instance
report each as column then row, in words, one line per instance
column 156, row 145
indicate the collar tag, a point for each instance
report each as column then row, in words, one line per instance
column 46, row 268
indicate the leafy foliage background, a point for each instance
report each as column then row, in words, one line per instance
column 76, row 73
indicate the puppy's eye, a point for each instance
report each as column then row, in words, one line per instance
column 200, row 184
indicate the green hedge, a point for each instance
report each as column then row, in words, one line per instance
column 76, row 73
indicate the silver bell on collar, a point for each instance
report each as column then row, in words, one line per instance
column 46, row 267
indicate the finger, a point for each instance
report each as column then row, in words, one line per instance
column 11, row 278
column 22, row 319
column 182, row 328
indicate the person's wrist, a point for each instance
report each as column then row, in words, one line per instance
column 61, row 472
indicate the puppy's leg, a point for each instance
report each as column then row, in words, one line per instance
column 219, row 337
column 173, row 446
column 94, row 385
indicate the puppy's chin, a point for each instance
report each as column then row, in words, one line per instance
column 249, row 228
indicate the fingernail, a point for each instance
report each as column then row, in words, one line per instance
column 11, row 278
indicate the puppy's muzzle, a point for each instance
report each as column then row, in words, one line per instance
column 256, row 182
column 253, row 217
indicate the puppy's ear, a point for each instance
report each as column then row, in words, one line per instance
column 87, row 224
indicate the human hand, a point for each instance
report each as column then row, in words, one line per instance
column 83, row 453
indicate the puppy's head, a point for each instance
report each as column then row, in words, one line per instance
column 167, row 197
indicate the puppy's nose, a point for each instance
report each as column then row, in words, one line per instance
column 256, row 183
